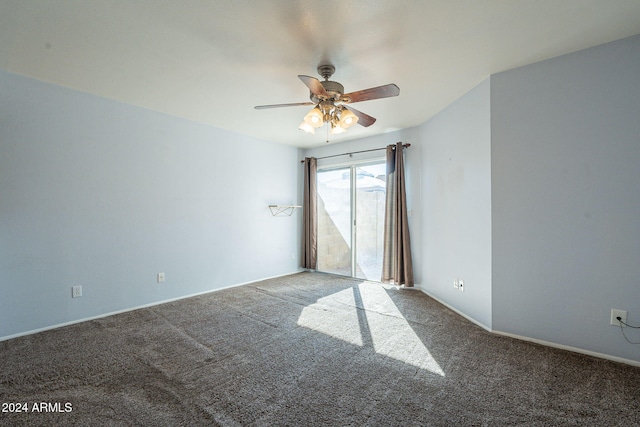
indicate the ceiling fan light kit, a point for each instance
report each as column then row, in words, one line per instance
column 337, row 116
column 329, row 101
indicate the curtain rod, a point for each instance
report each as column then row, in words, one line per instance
column 357, row 152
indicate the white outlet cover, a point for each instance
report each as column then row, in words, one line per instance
column 615, row 313
column 76, row 291
column 461, row 285
column 160, row 277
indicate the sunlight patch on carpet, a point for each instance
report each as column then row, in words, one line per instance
column 366, row 315
column 337, row 324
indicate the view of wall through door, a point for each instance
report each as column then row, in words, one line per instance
column 351, row 220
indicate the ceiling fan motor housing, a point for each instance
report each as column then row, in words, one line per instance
column 334, row 89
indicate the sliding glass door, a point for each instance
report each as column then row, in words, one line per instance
column 351, row 219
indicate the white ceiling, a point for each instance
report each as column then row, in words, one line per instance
column 211, row 61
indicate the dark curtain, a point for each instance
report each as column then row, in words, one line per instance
column 310, row 216
column 397, row 266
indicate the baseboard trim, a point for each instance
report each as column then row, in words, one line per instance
column 450, row 307
column 569, row 348
column 533, row 340
column 138, row 307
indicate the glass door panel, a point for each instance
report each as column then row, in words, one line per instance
column 334, row 221
column 370, row 183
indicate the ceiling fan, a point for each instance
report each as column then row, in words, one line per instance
column 329, row 101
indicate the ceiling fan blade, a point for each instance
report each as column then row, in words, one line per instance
column 295, row 104
column 363, row 119
column 373, row 93
column 314, row 86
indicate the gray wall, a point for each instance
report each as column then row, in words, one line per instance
column 105, row 195
column 456, row 204
column 566, row 198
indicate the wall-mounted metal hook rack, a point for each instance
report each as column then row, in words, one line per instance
column 282, row 210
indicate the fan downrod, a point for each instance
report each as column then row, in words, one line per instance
column 326, row 71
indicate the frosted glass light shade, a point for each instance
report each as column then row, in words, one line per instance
column 307, row 128
column 347, row 119
column 337, row 129
column 314, row 118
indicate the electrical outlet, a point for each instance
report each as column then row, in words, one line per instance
column 160, row 277
column 456, row 284
column 618, row 313
column 76, row 291
column 461, row 285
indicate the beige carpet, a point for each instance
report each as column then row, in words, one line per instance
column 305, row 350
